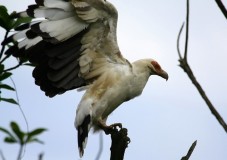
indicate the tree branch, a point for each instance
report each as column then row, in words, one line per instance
column 100, row 146
column 222, row 7
column 191, row 149
column 2, row 155
column 15, row 67
column 185, row 66
column 3, row 46
column 40, row 157
column 120, row 141
column 119, row 137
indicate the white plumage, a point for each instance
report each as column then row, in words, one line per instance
column 75, row 46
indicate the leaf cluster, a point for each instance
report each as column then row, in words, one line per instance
column 17, row 136
column 8, row 22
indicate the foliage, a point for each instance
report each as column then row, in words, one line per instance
column 15, row 135
column 8, row 23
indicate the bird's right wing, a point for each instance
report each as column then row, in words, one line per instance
column 70, row 42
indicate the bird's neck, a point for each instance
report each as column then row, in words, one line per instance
column 139, row 79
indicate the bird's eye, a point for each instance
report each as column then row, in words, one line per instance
column 156, row 65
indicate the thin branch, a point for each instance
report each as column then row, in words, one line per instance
column 185, row 66
column 15, row 67
column 19, row 156
column 191, row 149
column 100, row 146
column 3, row 59
column 2, row 155
column 222, row 7
column 187, row 33
column 22, row 112
column 178, row 41
column 3, row 46
column 41, row 156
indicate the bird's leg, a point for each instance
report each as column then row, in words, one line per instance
column 107, row 129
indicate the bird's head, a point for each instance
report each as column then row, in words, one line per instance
column 156, row 69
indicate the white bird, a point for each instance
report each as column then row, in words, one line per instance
column 75, row 46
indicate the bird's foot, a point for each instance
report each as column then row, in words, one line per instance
column 108, row 129
column 115, row 125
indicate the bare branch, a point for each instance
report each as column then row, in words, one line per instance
column 120, row 141
column 178, row 41
column 187, row 33
column 185, row 66
column 40, row 157
column 3, row 46
column 100, row 146
column 2, row 155
column 191, row 149
column 222, row 7
column 15, row 67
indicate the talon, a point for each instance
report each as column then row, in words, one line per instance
column 115, row 125
column 110, row 128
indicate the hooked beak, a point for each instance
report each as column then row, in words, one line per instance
column 164, row 75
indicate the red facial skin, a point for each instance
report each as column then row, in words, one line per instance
column 156, row 65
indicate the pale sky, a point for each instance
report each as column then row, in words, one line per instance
column 168, row 117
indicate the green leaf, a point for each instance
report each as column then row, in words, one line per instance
column 6, row 21
column 5, row 75
column 35, row 140
column 9, row 100
column 18, row 132
column 5, row 86
column 21, row 20
column 34, row 133
column 8, row 133
column 10, row 140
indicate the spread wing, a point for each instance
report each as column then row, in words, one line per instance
column 71, row 42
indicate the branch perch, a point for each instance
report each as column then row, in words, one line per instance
column 191, row 149
column 222, row 7
column 120, row 141
column 185, row 66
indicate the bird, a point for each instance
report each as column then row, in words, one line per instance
column 73, row 45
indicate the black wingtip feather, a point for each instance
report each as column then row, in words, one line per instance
column 40, row 2
column 30, row 10
column 22, row 27
column 36, row 28
column 30, row 34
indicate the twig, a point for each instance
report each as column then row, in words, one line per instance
column 19, row 156
column 25, row 119
column 41, row 156
column 3, row 46
column 191, row 149
column 187, row 33
column 15, row 67
column 222, row 7
column 2, row 155
column 100, row 146
column 185, row 66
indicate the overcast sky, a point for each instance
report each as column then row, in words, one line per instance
column 168, row 117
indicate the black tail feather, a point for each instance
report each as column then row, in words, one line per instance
column 83, row 130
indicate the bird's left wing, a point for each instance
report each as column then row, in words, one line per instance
column 70, row 42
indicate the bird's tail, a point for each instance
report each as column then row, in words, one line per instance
column 83, row 130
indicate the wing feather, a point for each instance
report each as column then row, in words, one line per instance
column 72, row 44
